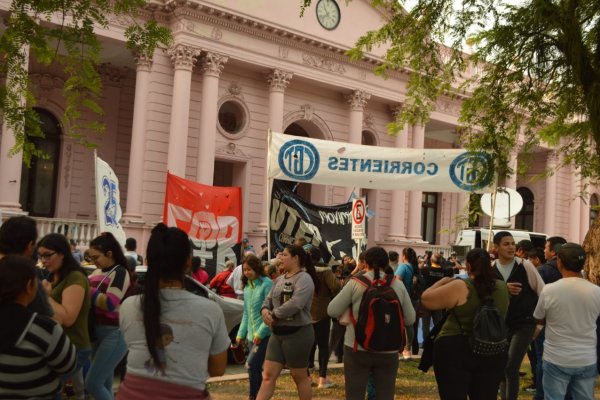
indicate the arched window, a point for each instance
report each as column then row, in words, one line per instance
column 593, row 208
column 39, row 181
column 524, row 219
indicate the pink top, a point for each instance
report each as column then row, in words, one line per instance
column 201, row 276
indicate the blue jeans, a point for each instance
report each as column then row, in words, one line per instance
column 107, row 352
column 83, row 356
column 519, row 339
column 255, row 361
column 580, row 381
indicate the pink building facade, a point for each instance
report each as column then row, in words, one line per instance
column 202, row 108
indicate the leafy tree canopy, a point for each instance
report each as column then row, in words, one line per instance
column 53, row 31
column 534, row 73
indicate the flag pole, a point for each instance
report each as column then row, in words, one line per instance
column 490, row 236
column 98, row 222
column 269, row 189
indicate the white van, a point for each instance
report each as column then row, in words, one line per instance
column 472, row 238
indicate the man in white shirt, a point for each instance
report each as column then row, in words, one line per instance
column 569, row 308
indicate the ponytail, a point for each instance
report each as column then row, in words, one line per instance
column 377, row 258
column 483, row 275
column 305, row 262
column 168, row 252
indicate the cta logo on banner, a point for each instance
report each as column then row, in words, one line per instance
column 374, row 167
column 327, row 227
column 210, row 215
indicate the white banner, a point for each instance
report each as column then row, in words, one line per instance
column 325, row 162
column 108, row 201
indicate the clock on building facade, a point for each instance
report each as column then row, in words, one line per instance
column 328, row 14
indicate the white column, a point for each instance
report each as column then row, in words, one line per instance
column 415, row 198
column 278, row 81
column 574, row 208
column 11, row 165
column 183, row 58
column 397, row 220
column 357, row 100
column 212, row 65
column 550, row 197
column 138, row 138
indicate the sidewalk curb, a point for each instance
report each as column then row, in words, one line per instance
column 236, row 377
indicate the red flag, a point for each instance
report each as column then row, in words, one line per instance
column 206, row 213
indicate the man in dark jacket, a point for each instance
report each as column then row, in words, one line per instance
column 525, row 285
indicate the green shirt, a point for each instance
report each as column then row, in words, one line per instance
column 466, row 312
column 78, row 332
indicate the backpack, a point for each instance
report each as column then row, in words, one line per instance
column 419, row 284
column 380, row 323
column 489, row 335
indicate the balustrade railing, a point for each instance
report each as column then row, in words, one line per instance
column 80, row 230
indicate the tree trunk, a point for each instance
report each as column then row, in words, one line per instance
column 591, row 245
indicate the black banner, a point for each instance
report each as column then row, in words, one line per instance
column 327, row 227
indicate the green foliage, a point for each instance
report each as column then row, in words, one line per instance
column 533, row 77
column 63, row 33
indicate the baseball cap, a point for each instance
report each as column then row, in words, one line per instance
column 572, row 255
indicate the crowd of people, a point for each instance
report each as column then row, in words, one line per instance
column 69, row 329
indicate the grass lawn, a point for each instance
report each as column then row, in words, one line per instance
column 410, row 384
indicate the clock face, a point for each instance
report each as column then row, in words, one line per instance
column 328, row 14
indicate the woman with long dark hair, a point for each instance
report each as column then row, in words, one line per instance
column 458, row 372
column 252, row 328
column 287, row 311
column 359, row 363
column 176, row 339
column 109, row 283
column 69, row 296
column 406, row 272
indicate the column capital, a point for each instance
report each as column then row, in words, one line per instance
column 183, row 56
column 358, row 100
column 143, row 61
column 395, row 109
column 213, row 63
column 279, row 79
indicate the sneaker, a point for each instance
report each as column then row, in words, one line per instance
column 327, row 385
column 406, row 355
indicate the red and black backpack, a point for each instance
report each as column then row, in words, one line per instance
column 380, row 323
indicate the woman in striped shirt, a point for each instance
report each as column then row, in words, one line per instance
column 34, row 350
column 109, row 283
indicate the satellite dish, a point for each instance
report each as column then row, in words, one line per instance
column 508, row 204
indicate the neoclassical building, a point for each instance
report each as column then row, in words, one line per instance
column 202, row 108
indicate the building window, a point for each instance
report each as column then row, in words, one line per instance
column 39, row 181
column 429, row 216
column 593, row 208
column 524, row 219
column 232, row 118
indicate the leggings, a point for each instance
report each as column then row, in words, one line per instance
column 321, row 328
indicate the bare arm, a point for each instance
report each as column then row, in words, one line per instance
column 217, row 364
column 66, row 313
column 445, row 294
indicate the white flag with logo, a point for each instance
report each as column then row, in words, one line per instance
column 327, row 162
column 108, row 201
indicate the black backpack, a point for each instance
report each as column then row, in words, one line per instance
column 489, row 335
column 380, row 323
